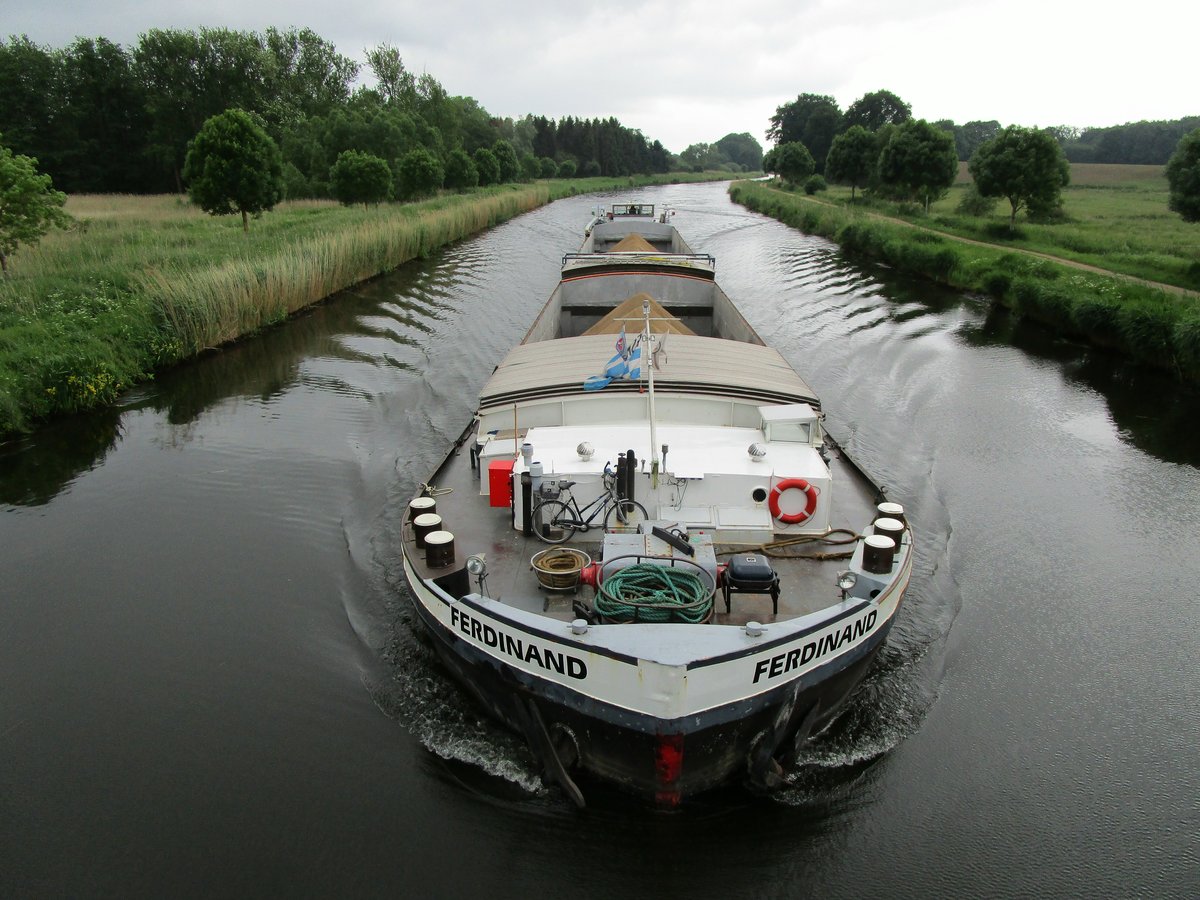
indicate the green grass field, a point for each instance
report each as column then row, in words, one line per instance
column 1115, row 218
column 1153, row 326
column 141, row 282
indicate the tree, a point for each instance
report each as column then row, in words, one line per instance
column 393, row 81
column 852, row 158
column 873, row 111
column 188, row 77
column 1025, row 166
column 702, row 157
column 233, row 166
column 26, row 71
column 1183, row 176
column 420, row 174
column 815, row 183
column 461, row 173
column 99, row 120
column 811, row 119
column 970, row 137
column 920, row 161
column 770, row 161
column 308, row 77
column 742, row 149
column 506, row 156
column 29, row 205
column 793, row 162
column 548, row 168
column 566, row 169
column 487, row 166
column 359, row 177
column 591, row 169
column 530, row 167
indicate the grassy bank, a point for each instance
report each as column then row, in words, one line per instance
column 1114, row 217
column 1152, row 326
column 144, row 282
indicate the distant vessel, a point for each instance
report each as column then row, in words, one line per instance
column 630, row 557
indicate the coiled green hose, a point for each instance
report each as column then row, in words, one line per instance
column 646, row 592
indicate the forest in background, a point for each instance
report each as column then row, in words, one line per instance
column 101, row 118
column 815, row 120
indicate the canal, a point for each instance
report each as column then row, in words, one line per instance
column 211, row 683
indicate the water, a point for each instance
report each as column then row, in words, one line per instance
column 210, row 682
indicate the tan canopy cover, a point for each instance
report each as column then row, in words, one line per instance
column 629, row 314
column 633, row 242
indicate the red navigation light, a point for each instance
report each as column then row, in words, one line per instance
column 668, row 765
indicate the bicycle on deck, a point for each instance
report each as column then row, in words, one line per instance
column 558, row 516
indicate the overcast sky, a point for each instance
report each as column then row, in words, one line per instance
column 688, row 71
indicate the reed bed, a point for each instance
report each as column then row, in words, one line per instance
column 208, row 306
column 139, row 283
column 1149, row 325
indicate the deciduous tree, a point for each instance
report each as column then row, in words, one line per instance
column 1183, row 176
column 461, row 173
column 852, row 158
column 487, row 166
column 530, row 167
column 874, row 110
column 793, row 162
column 29, row 205
column 770, row 161
column 189, row 77
column 358, row 177
column 420, row 174
column 100, row 119
column 393, row 81
column 506, row 156
column 1025, row 166
column 233, row 166
column 811, row 119
column 742, row 149
column 970, row 137
column 919, row 160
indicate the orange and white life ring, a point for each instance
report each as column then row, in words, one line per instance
column 793, row 518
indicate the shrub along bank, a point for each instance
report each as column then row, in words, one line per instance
column 1149, row 325
column 145, row 282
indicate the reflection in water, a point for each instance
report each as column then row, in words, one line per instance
column 187, row 631
column 35, row 468
column 1152, row 411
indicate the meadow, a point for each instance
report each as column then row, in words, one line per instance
column 143, row 282
column 1114, row 217
column 1156, row 327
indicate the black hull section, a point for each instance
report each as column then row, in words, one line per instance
column 671, row 760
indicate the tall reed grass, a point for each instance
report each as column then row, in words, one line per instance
column 139, row 283
column 1151, row 326
column 209, row 306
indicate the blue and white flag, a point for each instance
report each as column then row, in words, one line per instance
column 625, row 363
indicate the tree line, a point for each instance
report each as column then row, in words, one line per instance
column 101, row 118
column 816, row 119
column 878, row 146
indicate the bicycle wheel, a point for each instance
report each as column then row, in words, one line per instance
column 625, row 515
column 552, row 521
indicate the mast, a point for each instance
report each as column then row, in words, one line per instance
column 648, row 341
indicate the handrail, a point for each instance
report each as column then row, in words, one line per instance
column 638, row 255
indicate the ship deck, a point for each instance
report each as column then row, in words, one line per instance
column 807, row 585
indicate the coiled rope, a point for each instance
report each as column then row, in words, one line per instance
column 647, row 592
column 775, row 548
